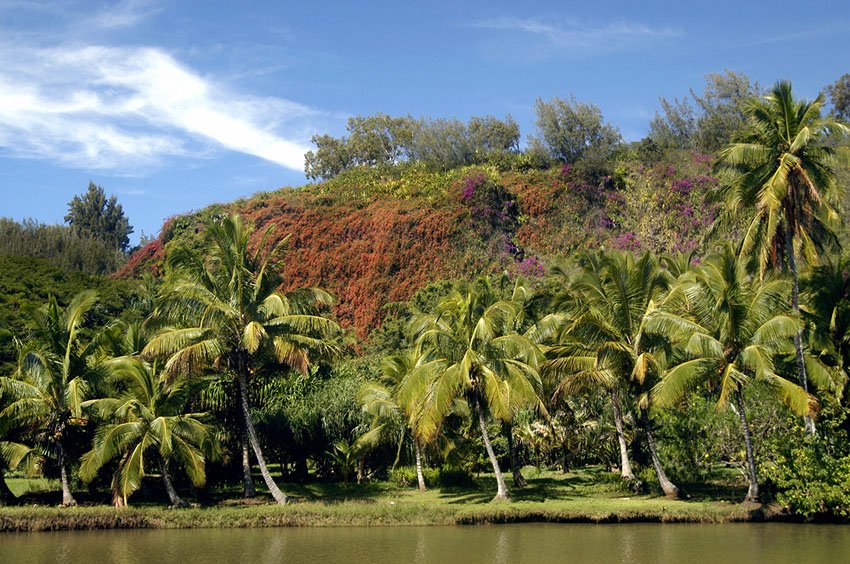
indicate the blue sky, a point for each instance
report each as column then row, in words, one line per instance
column 174, row 105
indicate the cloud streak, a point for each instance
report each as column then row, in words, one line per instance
column 129, row 108
column 572, row 37
column 804, row 34
column 124, row 14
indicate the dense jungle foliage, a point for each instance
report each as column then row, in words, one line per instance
column 444, row 302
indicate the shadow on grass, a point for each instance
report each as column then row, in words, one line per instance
column 539, row 489
column 587, row 483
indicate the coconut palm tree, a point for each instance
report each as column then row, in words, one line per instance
column 826, row 308
column 230, row 316
column 604, row 345
column 468, row 350
column 56, row 371
column 728, row 337
column 784, row 171
column 386, row 403
column 146, row 422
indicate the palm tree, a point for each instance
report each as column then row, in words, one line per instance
column 468, row 350
column 784, row 165
column 147, row 420
column 386, row 402
column 351, row 455
column 605, row 347
column 56, row 371
column 231, row 317
column 826, row 293
column 733, row 328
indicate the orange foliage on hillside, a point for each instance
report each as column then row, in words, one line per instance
column 373, row 240
column 366, row 256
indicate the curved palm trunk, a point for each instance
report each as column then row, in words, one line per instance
column 753, row 491
column 64, row 477
column 176, row 501
column 795, row 304
column 668, row 487
column 278, row 495
column 118, row 500
column 625, row 465
column 248, row 488
column 501, row 487
column 519, row 479
column 420, row 477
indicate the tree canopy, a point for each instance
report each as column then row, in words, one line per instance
column 92, row 214
column 571, row 129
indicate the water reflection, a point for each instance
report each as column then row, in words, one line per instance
column 536, row 543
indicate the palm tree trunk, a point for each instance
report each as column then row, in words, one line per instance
column 625, row 465
column 420, row 477
column 64, row 477
column 565, row 462
column 753, row 491
column 175, row 500
column 519, row 479
column 247, row 480
column 398, row 451
column 118, row 500
column 669, row 488
column 278, row 495
column 361, row 469
column 808, row 421
column 501, row 487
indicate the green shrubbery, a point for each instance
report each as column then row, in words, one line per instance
column 445, row 477
column 406, row 476
column 59, row 245
column 811, row 474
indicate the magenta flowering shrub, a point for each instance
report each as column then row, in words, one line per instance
column 665, row 208
column 530, row 267
column 628, row 241
column 489, row 204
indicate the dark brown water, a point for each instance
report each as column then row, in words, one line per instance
column 537, row 543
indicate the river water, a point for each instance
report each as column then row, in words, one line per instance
column 537, row 543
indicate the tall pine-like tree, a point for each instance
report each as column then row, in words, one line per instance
column 94, row 215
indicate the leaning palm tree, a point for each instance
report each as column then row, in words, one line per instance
column 604, row 346
column 468, row 350
column 728, row 336
column 56, row 371
column 784, row 171
column 146, row 422
column 230, row 316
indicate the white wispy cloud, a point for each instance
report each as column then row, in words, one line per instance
column 126, row 13
column 109, row 107
column 824, row 31
column 574, row 37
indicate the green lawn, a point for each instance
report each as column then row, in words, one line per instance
column 589, row 495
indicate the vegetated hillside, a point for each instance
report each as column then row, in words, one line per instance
column 27, row 283
column 373, row 236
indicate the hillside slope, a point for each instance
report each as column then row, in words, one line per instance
column 376, row 236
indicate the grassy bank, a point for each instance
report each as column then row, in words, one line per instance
column 585, row 496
